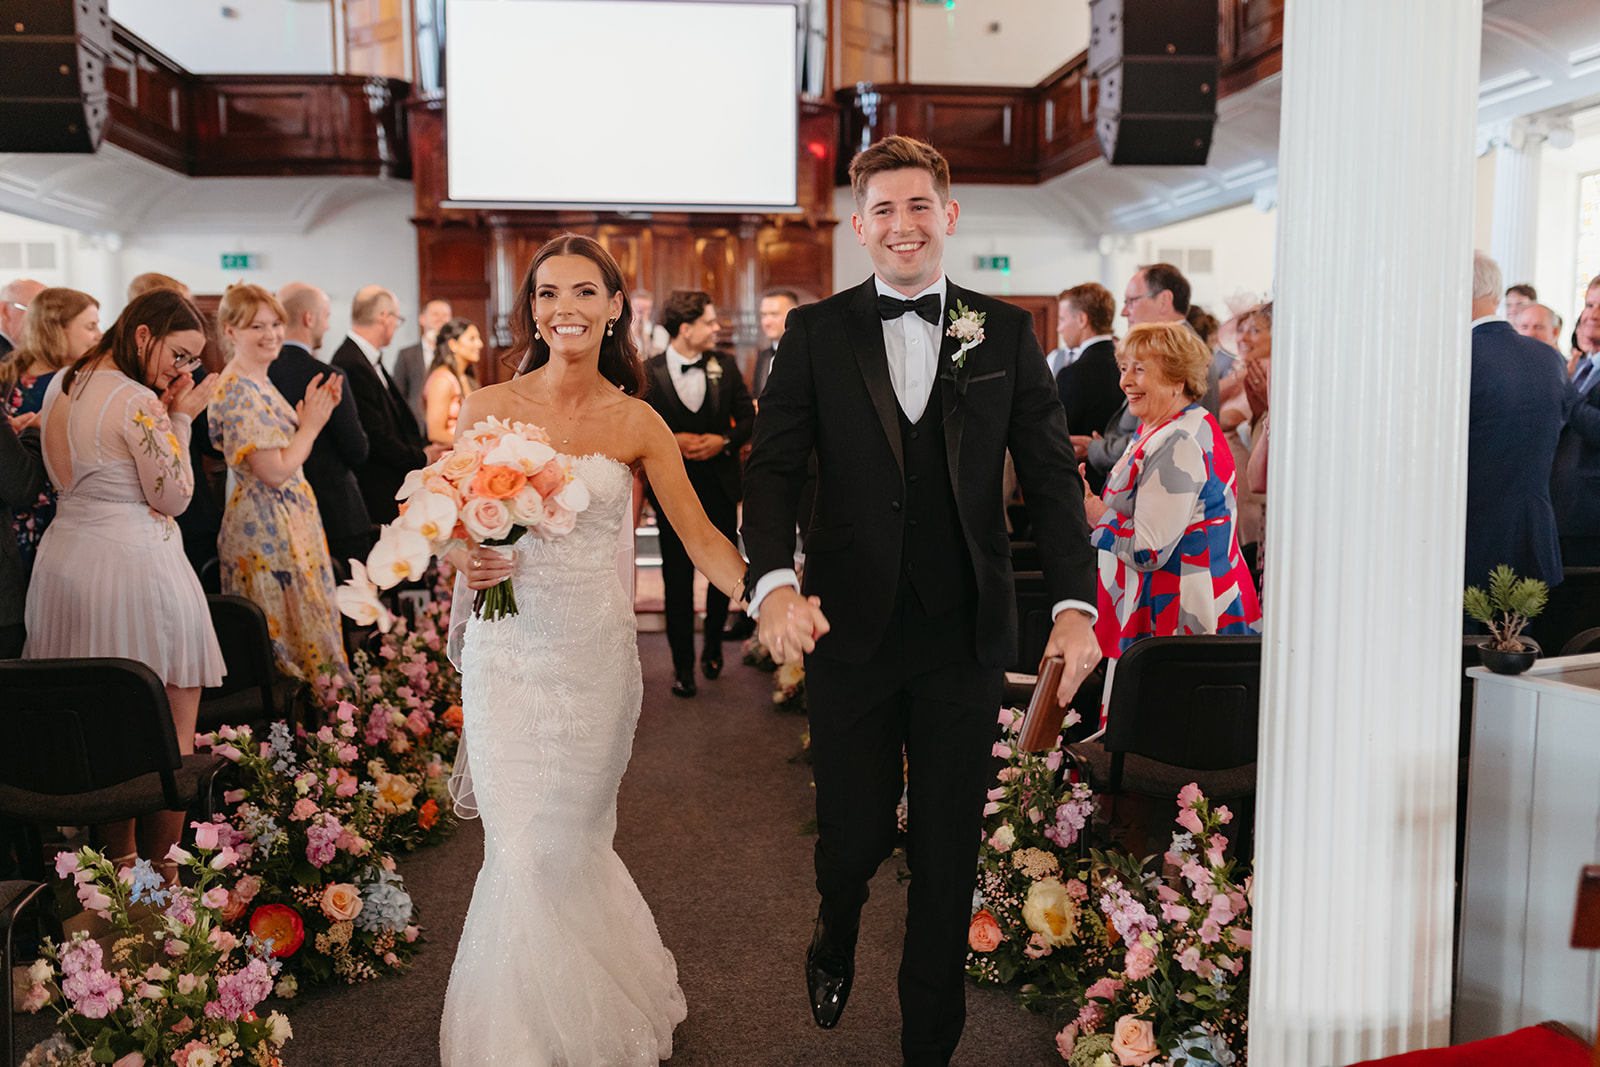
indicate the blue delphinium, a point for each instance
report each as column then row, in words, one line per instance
column 145, row 886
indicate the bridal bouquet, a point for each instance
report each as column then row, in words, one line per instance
column 503, row 480
column 175, row 987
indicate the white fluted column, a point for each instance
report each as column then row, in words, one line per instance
column 1514, row 232
column 1360, row 681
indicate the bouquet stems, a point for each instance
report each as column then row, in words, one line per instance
column 495, row 602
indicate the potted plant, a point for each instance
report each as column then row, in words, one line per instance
column 1506, row 609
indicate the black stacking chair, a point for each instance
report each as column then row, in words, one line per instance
column 1183, row 709
column 246, row 694
column 1033, row 620
column 92, row 741
column 1025, row 556
column 1574, row 606
column 14, row 897
column 1583, row 642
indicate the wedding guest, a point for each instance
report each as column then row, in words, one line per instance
column 111, row 578
column 394, row 437
column 21, row 480
column 1540, row 323
column 272, row 547
column 1518, row 297
column 14, row 300
column 60, row 326
column 342, row 446
column 1238, row 421
column 1160, row 293
column 410, row 365
column 1515, row 414
column 1169, row 559
column 775, row 308
column 1575, row 476
column 1087, row 380
column 451, row 376
column 650, row 337
column 151, row 281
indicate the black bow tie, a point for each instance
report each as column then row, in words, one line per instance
column 892, row 307
column 699, row 364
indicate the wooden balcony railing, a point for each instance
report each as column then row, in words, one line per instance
column 1022, row 136
column 222, row 125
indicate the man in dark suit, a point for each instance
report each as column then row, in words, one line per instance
column 1087, row 384
column 775, row 308
column 1575, row 475
column 1518, row 405
column 14, row 300
column 394, row 440
column 704, row 402
column 409, row 367
column 907, row 554
column 341, row 447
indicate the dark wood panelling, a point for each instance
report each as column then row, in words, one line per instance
column 236, row 125
column 1250, row 41
column 1043, row 309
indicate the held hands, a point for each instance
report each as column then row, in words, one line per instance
column 489, row 565
column 790, row 624
column 1072, row 638
column 700, row 445
column 322, row 396
column 23, row 422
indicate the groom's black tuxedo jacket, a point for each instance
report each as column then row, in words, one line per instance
column 726, row 410
column 830, row 391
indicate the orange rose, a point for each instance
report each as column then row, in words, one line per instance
column 984, row 934
column 452, row 717
column 341, row 901
column 428, row 815
column 549, row 478
column 497, row 483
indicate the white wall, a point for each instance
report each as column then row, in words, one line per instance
column 266, row 36
column 369, row 242
column 956, row 45
column 1242, row 243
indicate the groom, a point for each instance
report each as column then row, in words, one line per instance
column 907, row 550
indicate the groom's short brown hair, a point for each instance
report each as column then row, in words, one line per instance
column 898, row 153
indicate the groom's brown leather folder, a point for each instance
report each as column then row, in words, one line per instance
column 1041, row 726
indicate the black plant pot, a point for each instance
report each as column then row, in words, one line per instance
column 1510, row 662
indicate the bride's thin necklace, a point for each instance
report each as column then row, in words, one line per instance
column 571, row 420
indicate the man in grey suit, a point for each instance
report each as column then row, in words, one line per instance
column 410, row 364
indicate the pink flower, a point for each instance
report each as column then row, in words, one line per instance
column 1001, row 750
column 1190, row 821
column 233, row 796
column 1210, row 932
column 66, row 863
column 1188, row 795
column 1174, row 913
column 1036, row 948
column 1242, row 938
column 1090, row 1016
column 37, row 997
column 347, row 753
column 1223, row 815
column 1104, row 989
column 1052, row 759
column 304, row 808
column 411, row 933
column 92, row 898
column 1077, row 890
column 214, row 897
column 325, row 735
column 991, row 808
column 205, row 835
column 192, row 1049
column 1189, row 958
column 188, row 983
column 1140, row 962
column 1066, row 1040
column 223, row 941
column 1134, row 1041
column 1214, row 849
column 1221, row 909
column 391, row 959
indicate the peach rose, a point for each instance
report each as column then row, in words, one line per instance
column 984, row 934
column 436, row 483
column 459, row 465
column 527, row 507
column 1134, row 1041
column 558, row 521
column 498, row 483
column 486, row 519
column 341, row 901
column 549, row 479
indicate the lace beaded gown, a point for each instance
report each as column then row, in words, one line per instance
column 560, row 963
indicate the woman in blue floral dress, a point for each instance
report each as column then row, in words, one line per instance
column 272, row 547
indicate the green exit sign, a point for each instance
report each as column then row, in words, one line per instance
column 240, row 261
column 994, row 263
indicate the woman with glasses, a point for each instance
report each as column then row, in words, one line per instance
column 60, row 326
column 272, row 548
column 111, row 578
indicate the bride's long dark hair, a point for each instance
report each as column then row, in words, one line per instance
column 619, row 356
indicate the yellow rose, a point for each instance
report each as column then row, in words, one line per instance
column 1051, row 913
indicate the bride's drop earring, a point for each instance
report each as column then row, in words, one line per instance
column 610, row 323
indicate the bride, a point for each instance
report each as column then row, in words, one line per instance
column 560, row 964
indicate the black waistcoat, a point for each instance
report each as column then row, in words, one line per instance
column 935, row 559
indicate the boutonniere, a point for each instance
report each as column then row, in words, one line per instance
column 713, row 371
column 967, row 325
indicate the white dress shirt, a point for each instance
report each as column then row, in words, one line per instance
column 911, row 344
column 690, row 384
column 373, row 353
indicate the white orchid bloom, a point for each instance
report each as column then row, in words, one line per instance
column 400, row 555
column 413, row 483
column 520, row 453
column 574, row 496
column 358, row 598
column 433, row 515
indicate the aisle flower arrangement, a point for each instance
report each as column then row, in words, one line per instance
column 178, row 987
column 501, row 481
column 758, row 655
column 1145, row 969
column 311, row 877
column 789, row 692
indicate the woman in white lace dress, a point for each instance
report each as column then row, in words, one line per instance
column 560, row 962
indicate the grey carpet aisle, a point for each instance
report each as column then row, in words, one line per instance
column 708, row 823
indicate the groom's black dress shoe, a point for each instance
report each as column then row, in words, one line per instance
column 711, row 665
column 684, row 685
column 830, row 970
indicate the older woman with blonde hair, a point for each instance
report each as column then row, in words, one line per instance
column 272, row 548
column 1169, row 558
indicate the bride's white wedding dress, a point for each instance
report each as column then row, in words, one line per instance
column 560, row 964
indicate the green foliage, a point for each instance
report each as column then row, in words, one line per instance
column 1507, row 607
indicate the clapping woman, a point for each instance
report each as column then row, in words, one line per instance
column 111, row 578
column 1169, row 557
column 272, row 548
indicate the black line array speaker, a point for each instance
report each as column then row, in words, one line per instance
column 1156, row 62
column 53, row 56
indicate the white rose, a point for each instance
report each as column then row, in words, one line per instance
column 1004, row 838
column 1050, row 912
column 40, row 972
column 527, row 507
column 281, row 1030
